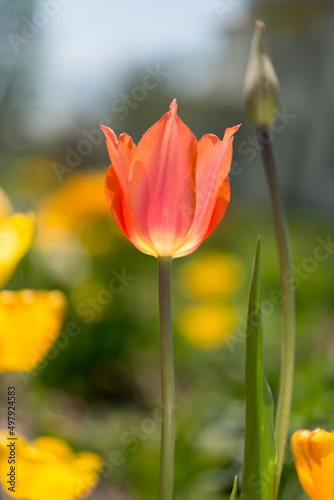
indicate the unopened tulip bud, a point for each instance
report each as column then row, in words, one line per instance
column 261, row 84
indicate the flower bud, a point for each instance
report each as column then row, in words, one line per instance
column 261, row 86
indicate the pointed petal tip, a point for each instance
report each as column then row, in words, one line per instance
column 229, row 132
column 173, row 107
column 109, row 133
column 105, row 129
column 233, row 130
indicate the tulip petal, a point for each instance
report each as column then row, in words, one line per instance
column 212, row 187
column 162, row 183
column 222, row 201
column 321, row 444
column 116, row 185
column 120, row 151
column 118, row 203
column 117, row 199
column 313, row 453
column 212, row 184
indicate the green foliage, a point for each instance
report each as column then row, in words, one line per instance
column 260, row 456
column 105, row 382
column 235, row 489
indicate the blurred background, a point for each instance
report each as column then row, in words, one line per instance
column 66, row 68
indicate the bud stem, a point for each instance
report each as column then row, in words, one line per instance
column 288, row 302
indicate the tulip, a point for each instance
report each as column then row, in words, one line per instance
column 46, row 468
column 30, row 322
column 313, row 453
column 169, row 192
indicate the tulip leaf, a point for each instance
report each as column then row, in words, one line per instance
column 260, row 452
column 235, row 489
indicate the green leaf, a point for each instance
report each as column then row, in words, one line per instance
column 260, row 452
column 235, row 489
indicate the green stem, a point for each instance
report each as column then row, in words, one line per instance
column 288, row 303
column 167, row 381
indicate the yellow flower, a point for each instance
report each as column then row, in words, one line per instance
column 208, row 326
column 29, row 324
column 77, row 210
column 16, row 237
column 6, row 208
column 213, row 274
column 46, row 469
column 313, row 453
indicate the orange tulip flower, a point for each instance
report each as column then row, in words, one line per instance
column 314, row 458
column 169, row 192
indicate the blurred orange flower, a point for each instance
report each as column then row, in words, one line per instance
column 313, row 453
column 16, row 237
column 48, row 469
column 170, row 192
column 29, row 324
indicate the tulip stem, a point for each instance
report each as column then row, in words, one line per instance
column 288, row 302
column 167, row 381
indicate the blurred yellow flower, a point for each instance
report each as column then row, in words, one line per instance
column 16, row 237
column 6, row 208
column 78, row 209
column 313, row 453
column 208, row 326
column 213, row 274
column 30, row 322
column 47, row 469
